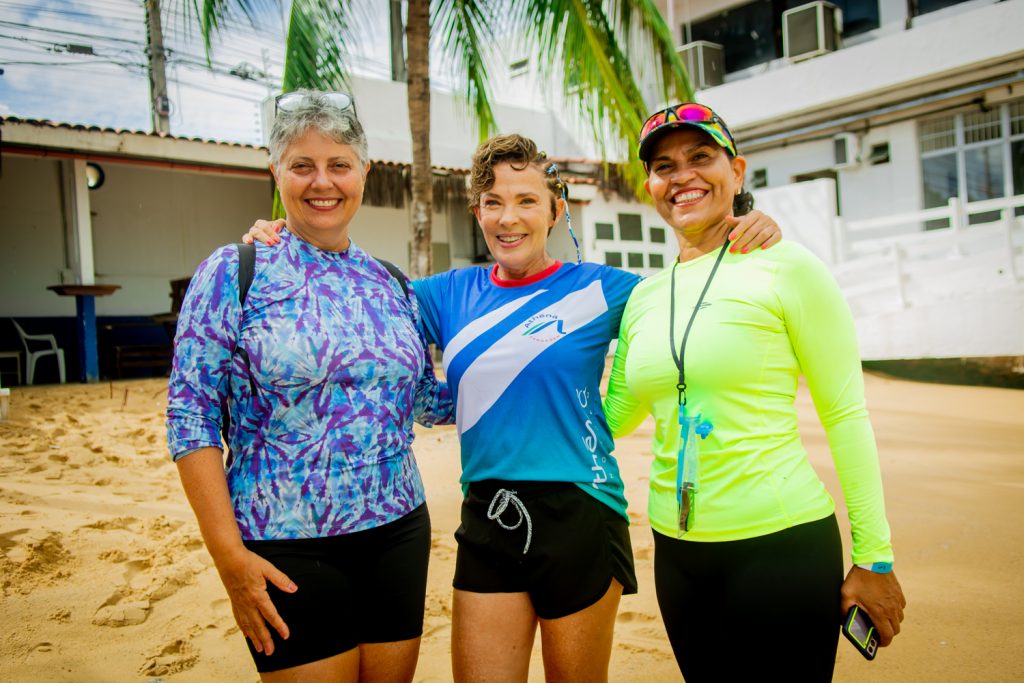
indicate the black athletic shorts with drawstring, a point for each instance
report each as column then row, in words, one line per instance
column 574, row 545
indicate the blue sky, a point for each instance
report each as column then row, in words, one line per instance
column 45, row 79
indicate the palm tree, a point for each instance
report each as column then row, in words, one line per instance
column 601, row 47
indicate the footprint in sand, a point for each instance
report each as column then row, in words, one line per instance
column 117, row 611
column 120, row 523
column 174, row 657
column 41, row 652
column 169, row 584
column 115, row 556
column 61, row 616
column 629, row 617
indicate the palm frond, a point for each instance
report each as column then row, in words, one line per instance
column 598, row 50
column 210, row 16
column 464, row 29
column 315, row 55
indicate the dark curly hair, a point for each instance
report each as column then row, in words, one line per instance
column 517, row 151
column 743, row 203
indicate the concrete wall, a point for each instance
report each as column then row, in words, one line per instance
column 865, row 190
column 868, row 191
column 32, row 230
column 151, row 225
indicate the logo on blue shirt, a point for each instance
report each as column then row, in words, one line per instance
column 544, row 327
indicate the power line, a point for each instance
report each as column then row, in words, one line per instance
column 76, row 34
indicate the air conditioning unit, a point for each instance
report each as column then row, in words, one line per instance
column 846, row 150
column 811, row 30
column 705, row 63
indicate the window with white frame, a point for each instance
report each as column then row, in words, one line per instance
column 974, row 156
column 628, row 244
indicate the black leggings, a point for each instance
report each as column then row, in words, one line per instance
column 760, row 607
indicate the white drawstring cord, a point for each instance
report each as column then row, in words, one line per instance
column 501, row 499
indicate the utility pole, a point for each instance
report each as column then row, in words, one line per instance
column 160, row 106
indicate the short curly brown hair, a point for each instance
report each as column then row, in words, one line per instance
column 517, row 151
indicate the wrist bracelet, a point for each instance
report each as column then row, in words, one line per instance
column 877, row 567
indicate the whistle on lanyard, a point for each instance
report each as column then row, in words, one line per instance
column 688, row 464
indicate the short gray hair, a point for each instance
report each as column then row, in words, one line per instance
column 315, row 112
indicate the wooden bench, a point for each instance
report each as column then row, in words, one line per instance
column 16, row 355
column 142, row 356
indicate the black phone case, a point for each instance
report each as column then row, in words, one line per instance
column 869, row 648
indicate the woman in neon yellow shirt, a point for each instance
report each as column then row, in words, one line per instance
column 748, row 558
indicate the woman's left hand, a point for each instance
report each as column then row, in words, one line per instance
column 753, row 230
column 880, row 595
column 264, row 231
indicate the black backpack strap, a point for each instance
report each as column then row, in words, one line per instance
column 395, row 273
column 246, row 272
column 246, row 269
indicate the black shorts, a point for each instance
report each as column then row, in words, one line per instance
column 364, row 587
column 577, row 545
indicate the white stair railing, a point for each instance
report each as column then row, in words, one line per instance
column 925, row 265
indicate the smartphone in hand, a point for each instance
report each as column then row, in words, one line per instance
column 857, row 627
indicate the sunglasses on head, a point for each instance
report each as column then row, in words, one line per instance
column 691, row 112
column 290, row 101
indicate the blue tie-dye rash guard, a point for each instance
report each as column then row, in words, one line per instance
column 321, row 415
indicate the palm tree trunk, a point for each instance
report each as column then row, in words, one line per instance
column 418, row 37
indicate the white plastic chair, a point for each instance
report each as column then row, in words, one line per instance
column 32, row 356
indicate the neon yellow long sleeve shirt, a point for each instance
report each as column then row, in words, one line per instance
column 767, row 317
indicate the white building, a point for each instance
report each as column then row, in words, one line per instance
column 892, row 108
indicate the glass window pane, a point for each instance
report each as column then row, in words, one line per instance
column 981, row 126
column 750, row 33
column 858, row 15
column 939, row 180
column 984, row 179
column 938, row 134
column 636, row 260
column 631, row 227
column 940, row 184
column 605, row 231
column 655, row 261
column 1017, row 164
column 613, row 258
column 984, row 167
column 658, row 235
column 1017, row 118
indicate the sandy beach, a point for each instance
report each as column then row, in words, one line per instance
column 105, row 577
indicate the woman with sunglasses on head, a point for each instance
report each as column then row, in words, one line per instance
column 544, row 539
column 319, row 528
column 748, row 558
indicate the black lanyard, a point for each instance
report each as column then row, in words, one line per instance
column 680, row 357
